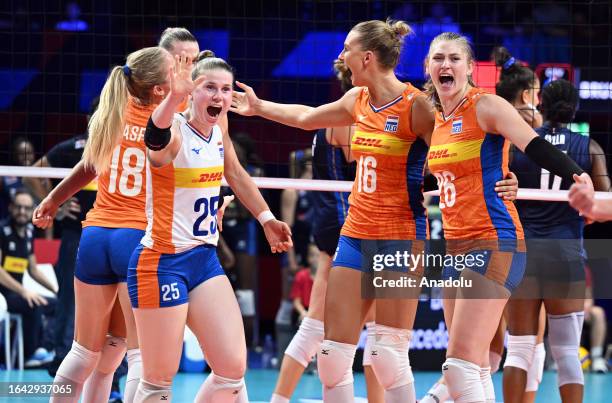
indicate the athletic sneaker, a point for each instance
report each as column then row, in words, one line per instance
column 40, row 357
column 599, row 365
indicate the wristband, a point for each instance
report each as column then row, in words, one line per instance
column 265, row 216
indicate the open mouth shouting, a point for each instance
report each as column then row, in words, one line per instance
column 446, row 80
column 213, row 111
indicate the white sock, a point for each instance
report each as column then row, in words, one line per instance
column 596, row 352
column 276, row 398
column 134, row 374
column 148, row 392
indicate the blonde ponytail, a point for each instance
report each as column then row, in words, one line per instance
column 106, row 124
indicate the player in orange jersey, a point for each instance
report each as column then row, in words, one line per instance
column 177, row 41
column 174, row 276
column 394, row 122
column 469, row 152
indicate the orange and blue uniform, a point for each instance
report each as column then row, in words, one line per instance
column 178, row 251
column 114, row 226
column 467, row 162
column 386, row 202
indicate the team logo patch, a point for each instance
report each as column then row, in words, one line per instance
column 457, row 126
column 221, row 151
column 391, row 124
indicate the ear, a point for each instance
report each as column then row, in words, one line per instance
column 368, row 57
column 470, row 67
column 525, row 97
column 158, row 91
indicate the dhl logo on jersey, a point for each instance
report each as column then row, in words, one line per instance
column 198, row 177
column 454, row 152
column 379, row 143
column 15, row 264
column 442, row 153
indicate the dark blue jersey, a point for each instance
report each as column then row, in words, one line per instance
column 329, row 163
column 551, row 219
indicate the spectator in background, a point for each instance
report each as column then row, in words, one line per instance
column 595, row 317
column 304, row 280
column 17, row 256
column 240, row 233
column 66, row 155
column 73, row 23
column 22, row 154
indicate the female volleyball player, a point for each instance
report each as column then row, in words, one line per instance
column 116, row 223
column 174, row 276
column 394, row 122
column 469, row 150
column 177, row 41
column 331, row 160
column 552, row 265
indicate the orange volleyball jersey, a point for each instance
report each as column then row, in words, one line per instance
column 120, row 202
column 386, row 201
column 467, row 162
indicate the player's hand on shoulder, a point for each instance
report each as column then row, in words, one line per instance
column 278, row 235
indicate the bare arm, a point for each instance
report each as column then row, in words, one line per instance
column 78, row 178
column 338, row 113
column 38, row 276
column 289, row 199
column 422, row 118
column 599, row 169
column 9, row 282
column 297, row 304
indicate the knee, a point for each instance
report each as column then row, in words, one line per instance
column 233, row 366
column 564, row 337
column 598, row 314
column 306, row 341
column 112, row 354
column 335, row 362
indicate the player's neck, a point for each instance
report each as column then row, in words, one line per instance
column 450, row 103
column 203, row 127
column 385, row 89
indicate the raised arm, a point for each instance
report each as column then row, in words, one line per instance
column 338, row 113
column 496, row 115
column 599, row 168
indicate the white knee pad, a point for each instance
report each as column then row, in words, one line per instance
column 370, row 339
column 564, row 337
column 218, row 389
column 536, row 370
column 111, row 355
column 390, row 357
column 134, row 358
column 520, row 351
column 335, row 363
column 78, row 364
column 148, row 392
column 306, row 342
column 463, row 381
column 494, row 361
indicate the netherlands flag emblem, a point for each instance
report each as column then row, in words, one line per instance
column 457, row 126
column 391, row 124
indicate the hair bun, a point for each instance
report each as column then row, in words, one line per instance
column 400, row 28
column 206, row 54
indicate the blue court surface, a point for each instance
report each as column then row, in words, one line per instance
column 260, row 383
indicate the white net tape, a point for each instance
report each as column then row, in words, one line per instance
column 298, row 184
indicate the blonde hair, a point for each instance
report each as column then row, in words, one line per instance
column 385, row 39
column 429, row 87
column 143, row 70
column 171, row 35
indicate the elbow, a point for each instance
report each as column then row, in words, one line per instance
column 156, row 139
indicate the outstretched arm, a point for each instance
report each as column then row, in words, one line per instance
column 338, row 113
